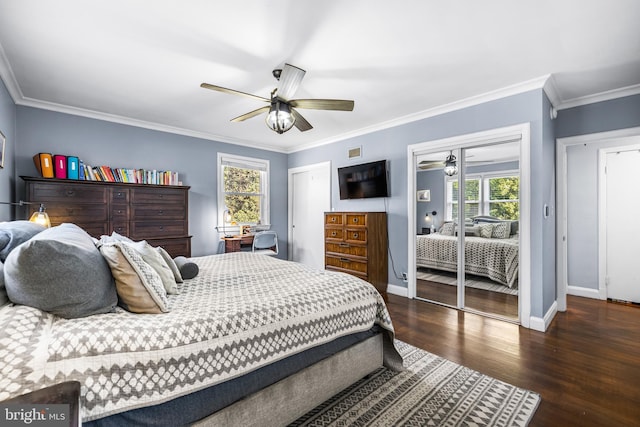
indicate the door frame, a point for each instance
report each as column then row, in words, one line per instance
column 290, row 172
column 562, row 278
column 493, row 136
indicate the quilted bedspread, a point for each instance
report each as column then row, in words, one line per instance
column 496, row 259
column 241, row 312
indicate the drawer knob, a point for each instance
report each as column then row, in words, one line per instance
column 161, row 227
column 333, row 234
column 355, row 235
column 160, row 212
column 345, row 260
column 70, row 192
column 343, row 245
column 333, row 219
column 355, row 219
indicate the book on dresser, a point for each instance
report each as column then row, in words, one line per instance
column 155, row 213
column 356, row 243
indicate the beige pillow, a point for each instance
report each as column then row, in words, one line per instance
column 155, row 260
column 139, row 287
column 171, row 263
column 486, row 230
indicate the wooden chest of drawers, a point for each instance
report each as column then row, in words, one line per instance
column 155, row 213
column 356, row 243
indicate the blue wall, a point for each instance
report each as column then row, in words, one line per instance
column 7, row 174
column 99, row 142
column 392, row 144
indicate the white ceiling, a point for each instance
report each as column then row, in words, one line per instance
column 141, row 62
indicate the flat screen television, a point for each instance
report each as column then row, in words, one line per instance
column 364, row 180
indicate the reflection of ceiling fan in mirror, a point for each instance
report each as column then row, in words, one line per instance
column 282, row 113
column 439, row 164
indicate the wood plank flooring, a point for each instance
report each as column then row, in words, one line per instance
column 497, row 303
column 586, row 367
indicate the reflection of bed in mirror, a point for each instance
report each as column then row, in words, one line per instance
column 494, row 256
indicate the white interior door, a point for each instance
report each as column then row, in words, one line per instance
column 622, row 227
column 310, row 198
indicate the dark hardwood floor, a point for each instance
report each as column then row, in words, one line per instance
column 586, row 367
column 497, row 303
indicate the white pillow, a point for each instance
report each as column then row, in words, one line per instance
column 501, row 230
column 171, row 263
column 157, row 262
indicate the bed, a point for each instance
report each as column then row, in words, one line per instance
column 250, row 334
column 494, row 258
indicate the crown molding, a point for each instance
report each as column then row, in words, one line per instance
column 9, row 79
column 537, row 83
column 114, row 118
column 599, row 97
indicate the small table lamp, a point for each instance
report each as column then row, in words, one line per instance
column 39, row 217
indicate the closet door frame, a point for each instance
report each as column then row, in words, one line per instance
column 494, row 136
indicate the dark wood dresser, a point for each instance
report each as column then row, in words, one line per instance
column 155, row 213
column 356, row 243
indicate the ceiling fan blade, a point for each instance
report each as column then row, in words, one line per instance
column 426, row 165
column 323, row 104
column 233, row 92
column 251, row 114
column 301, row 123
column 290, row 80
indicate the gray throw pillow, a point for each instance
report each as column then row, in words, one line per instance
column 188, row 269
column 61, row 271
column 14, row 233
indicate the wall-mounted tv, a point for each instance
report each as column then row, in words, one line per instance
column 364, row 180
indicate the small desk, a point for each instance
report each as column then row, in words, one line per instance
column 236, row 243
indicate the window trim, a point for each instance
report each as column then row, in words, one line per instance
column 263, row 165
column 484, row 177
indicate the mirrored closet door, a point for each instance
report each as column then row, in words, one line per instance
column 467, row 246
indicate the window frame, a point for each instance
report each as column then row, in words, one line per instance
column 483, row 190
column 262, row 165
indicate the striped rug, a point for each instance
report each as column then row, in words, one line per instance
column 471, row 281
column 432, row 392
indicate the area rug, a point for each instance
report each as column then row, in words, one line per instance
column 471, row 281
column 432, row 391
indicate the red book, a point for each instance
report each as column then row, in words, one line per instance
column 60, row 166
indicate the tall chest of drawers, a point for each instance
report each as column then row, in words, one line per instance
column 155, row 213
column 356, row 243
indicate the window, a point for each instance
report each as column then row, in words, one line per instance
column 489, row 194
column 243, row 190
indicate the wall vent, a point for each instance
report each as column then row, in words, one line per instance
column 355, row 152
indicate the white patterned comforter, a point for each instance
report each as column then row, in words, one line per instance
column 241, row 312
column 496, row 259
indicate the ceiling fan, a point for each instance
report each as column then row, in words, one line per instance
column 282, row 113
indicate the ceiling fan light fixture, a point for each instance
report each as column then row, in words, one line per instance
column 450, row 165
column 280, row 118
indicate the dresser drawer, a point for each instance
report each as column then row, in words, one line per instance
column 121, row 228
column 119, row 212
column 356, row 219
column 332, row 219
column 346, row 248
column 153, row 212
column 66, row 193
column 159, row 195
column 357, row 235
column 175, row 247
column 120, row 195
column 74, row 212
column 333, row 233
column 346, row 264
column 157, row 229
column 94, row 229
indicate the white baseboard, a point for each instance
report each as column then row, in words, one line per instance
column 580, row 291
column 538, row 324
column 398, row 290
